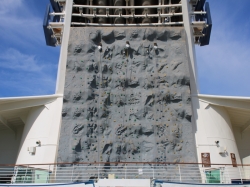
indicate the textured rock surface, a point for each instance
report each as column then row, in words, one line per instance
column 127, row 105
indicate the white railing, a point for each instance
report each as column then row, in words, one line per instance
column 66, row 173
column 162, row 12
column 126, row 25
column 164, row 16
column 128, row 7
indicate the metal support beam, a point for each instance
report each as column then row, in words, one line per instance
column 6, row 124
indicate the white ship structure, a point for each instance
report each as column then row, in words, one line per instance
column 127, row 109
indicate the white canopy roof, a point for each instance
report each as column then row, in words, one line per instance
column 14, row 109
column 238, row 108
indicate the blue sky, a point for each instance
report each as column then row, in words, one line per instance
column 28, row 67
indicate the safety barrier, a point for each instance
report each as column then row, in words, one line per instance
column 78, row 172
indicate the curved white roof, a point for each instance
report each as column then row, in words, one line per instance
column 238, row 108
column 14, row 109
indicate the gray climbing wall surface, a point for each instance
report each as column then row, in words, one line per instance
column 127, row 104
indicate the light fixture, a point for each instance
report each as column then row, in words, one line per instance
column 100, row 47
column 155, row 46
column 217, row 143
column 38, row 143
column 127, row 44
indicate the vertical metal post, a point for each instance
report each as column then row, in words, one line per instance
column 13, row 179
column 240, row 175
column 126, row 171
column 204, row 177
column 98, row 171
column 48, row 176
column 159, row 18
column 227, row 175
column 91, row 11
column 163, row 10
column 72, row 173
column 25, row 174
column 180, row 172
column 55, row 172
column 169, row 10
column 153, row 171
column 127, row 11
column 87, row 12
column 222, row 175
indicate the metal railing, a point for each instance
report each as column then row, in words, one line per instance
column 146, row 13
column 78, row 172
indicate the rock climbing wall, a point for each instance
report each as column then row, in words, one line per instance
column 127, row 104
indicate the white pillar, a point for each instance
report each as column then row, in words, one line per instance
column 186, row 9
column 61, row 72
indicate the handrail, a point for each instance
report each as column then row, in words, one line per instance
column 127, row 7
column 127, row 16
column 170, row 171
column 125, row 25
column 153, row 163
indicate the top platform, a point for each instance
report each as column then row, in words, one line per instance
column 126, row 13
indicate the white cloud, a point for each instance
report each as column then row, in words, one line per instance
column 25, row 84
column 18, row 24
column 27, row 65
column 13, row 59
column 8, row 6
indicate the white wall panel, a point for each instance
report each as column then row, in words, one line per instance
column 213, row 124
column 42, row 123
